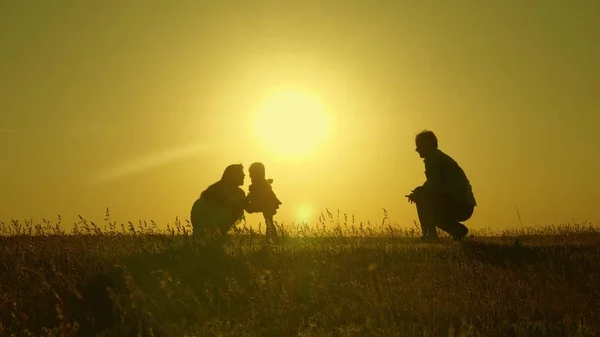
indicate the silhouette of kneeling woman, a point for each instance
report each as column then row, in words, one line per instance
column 220, row 206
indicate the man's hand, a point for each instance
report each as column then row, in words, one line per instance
column 414, row 195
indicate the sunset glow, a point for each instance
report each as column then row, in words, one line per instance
column 109, row 105
column 292, row 124
column 304, row 213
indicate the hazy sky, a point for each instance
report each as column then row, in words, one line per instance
column 139, row 107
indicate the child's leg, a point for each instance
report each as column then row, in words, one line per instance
column 271, row 230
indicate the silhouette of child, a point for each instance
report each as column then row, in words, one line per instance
column 261, row 198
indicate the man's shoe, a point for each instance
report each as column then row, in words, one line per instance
column 429, row 238
column 462, row 236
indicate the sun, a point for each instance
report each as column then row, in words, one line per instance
column 292, row 124
column 304, row 213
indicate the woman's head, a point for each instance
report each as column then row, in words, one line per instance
column 257, row 171
column 233, row 175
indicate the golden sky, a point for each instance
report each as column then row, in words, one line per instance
column 139, row 106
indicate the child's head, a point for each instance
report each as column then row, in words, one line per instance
column 257, row 171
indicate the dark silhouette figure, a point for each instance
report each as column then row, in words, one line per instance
column 446, row 198
column 261, row 197
column 220, row 206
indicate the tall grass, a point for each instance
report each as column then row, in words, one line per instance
column 332, row 278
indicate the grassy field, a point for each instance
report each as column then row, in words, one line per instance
column 333, row 279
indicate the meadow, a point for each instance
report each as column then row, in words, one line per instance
column 332, row 278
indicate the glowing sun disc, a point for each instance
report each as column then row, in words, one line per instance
column 292, row 124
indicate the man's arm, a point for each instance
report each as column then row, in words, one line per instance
column 433, row 173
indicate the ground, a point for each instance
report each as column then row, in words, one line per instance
column 349, row 281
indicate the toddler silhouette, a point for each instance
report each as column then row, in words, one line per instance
column 261, row 198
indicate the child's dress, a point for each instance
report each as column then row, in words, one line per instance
column 261, row 197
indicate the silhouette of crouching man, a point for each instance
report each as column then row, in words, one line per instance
column 219, row 207
column 446, row 198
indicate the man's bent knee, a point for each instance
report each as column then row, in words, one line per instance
column 464, row 212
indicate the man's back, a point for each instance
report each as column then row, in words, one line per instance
column 441, row 169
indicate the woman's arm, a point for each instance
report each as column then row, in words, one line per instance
column 239, row 203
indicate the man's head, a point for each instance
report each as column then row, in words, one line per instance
column 234, row 175
column 426, row 142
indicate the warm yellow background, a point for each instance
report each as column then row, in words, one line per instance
column 140, row 105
